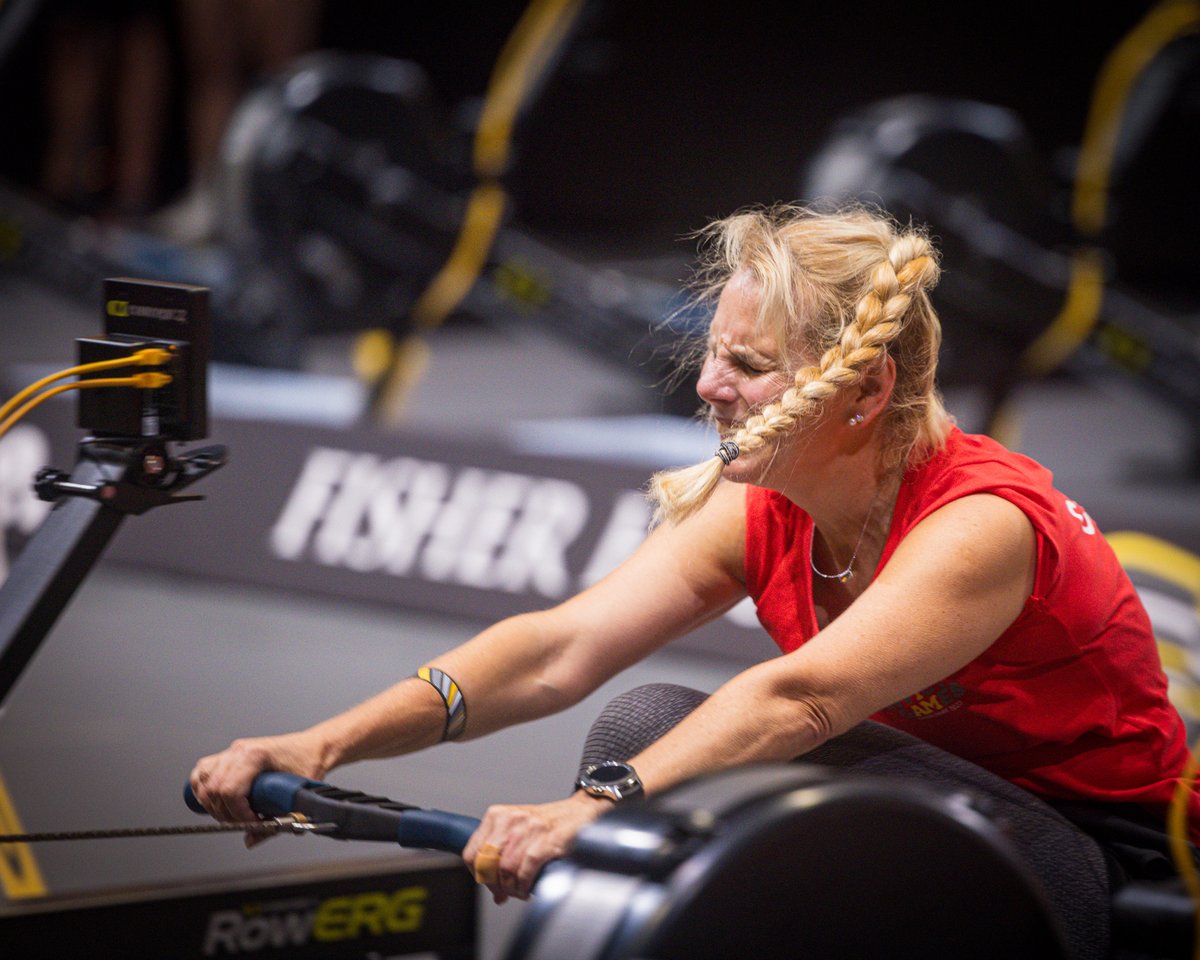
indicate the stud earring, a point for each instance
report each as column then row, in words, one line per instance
column 856, row 419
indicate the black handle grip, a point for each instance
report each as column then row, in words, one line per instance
column 357, row 816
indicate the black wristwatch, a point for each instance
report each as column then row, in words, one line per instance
column 612, row 779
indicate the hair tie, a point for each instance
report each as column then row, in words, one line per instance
column 728, row 452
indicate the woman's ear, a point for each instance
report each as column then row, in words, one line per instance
column 874, row 390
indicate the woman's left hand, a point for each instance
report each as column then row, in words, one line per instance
column 524, row 839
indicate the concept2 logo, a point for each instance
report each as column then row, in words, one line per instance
column 123, row 308
column 295, row 923
column 23, row 452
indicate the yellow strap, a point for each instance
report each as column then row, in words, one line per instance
column 528, row 49
column 540, row 30
column 454, row 280
column 1166, row 22
column 538, row 33
column 408, row 360
column 1076, row 319
column 1089, row 203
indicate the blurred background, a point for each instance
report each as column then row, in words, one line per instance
column 446, row 249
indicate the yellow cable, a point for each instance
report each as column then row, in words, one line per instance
column 1080, row 312
column 409, row 359
column 536, row 36
column 542, row 27
column 143, row 381
column 466, row 261
column 1166, row 22
column 1076, row 319
column 1177, row 829
column 149, row 357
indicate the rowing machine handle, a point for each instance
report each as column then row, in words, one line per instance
column 276, row 794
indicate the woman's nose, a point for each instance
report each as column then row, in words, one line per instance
column 713, row 386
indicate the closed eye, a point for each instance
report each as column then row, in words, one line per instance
column 751, row 363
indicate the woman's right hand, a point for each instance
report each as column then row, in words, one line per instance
column 221, row 781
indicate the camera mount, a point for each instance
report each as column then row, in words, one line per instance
column 124, row 467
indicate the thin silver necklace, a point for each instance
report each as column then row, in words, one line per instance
column 848, row 573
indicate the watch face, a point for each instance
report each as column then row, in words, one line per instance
column 610, row 773
column 612, row 780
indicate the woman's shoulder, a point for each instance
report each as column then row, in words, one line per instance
column 976, row 463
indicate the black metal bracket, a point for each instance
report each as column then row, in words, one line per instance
column 112, row 478
column 145, row 476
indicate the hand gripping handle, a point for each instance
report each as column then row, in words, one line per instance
column 357, row 816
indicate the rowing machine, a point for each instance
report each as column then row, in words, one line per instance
column 749, row 861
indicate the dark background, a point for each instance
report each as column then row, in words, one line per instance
column 660, row 115
column 656, row 117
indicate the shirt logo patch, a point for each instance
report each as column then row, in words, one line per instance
column 928, row 704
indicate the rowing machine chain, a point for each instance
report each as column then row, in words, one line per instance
column 296, row 823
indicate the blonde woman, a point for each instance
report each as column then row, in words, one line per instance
column 942, row 611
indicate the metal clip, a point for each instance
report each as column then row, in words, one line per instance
column 300, row 825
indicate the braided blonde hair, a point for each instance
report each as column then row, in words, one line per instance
column 848, row 286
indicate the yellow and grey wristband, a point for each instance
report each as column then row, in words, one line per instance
column 456, row 706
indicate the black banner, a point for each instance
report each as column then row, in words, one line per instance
column 418, row 522
column 418, row 905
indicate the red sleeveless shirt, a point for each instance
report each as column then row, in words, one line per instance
column 1071, row 700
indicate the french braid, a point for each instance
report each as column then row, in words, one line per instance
column 907, row 267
